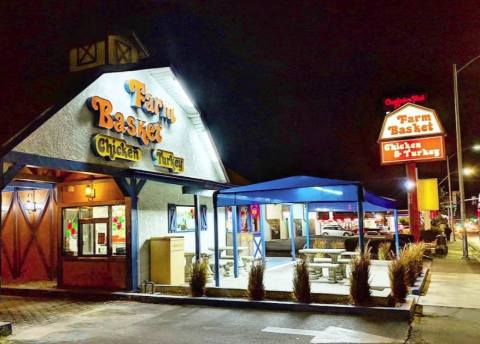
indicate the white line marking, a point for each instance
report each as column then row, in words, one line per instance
column 333, row 334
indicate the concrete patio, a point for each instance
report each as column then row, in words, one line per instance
column 279, row 277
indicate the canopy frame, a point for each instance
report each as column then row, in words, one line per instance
column 309, row 191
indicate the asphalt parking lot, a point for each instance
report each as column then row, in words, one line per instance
column 41, row 320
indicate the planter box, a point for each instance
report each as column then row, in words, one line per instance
column 377, row 262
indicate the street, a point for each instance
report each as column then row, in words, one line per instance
column 62, row 321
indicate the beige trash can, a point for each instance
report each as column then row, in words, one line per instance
column 167, row 261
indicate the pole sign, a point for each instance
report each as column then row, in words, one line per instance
column 412, row 133
column 393, row 103
column 422, row 149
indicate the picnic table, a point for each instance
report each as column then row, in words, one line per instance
column 310, row 253
column 335, row 269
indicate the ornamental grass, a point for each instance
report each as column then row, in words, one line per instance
column 412, row 258
column 256, row 288
column 359, row 280
column 398, row 280
column 198, row 278
column 384, row 252
column 301, row 282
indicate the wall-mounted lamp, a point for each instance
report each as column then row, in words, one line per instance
column 31, row 204
column 90, row 192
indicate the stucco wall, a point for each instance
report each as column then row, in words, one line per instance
column 153, row 220
column 67, row 134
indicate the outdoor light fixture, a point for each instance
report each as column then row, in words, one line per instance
column 409, row 185
column 90, row 192
column 31, row 204
column 468, row 171
column 476, row 147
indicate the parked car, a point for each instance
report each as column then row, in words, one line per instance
column 336, row 230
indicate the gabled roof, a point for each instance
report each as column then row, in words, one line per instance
column 33, row 102
column 50, row 95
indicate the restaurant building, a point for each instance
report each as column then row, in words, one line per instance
column 90, row 181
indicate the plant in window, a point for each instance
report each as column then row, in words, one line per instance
column 198, row 278
column 256, row 288
column 301, row 282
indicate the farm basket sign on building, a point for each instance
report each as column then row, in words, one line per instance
column 147, row 133
column 112, row 148
column 412, row 133
column 167, row 160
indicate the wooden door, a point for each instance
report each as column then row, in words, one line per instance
column 29, row 239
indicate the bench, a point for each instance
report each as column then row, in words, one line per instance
column 225, row 265
column 249, row 260
column 332, row 270
column 343, row 265
column 322, row 260
column 349, row 254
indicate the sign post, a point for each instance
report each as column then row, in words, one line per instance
column 413, row 213
column 412, row 134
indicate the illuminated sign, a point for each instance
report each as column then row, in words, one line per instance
column 149, row 104
column 112, row 148
column 410, row 120
column 395, row 103
column 427, row 194
column 420, row 150
column 145, row 132
column 167, row 160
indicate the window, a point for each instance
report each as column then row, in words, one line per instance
column 181, row 218
column 94, row 231
column 118, row 230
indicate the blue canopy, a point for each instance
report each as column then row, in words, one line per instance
column 319, row 194
column 331, row 194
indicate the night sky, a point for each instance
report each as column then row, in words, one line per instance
column 286, row 89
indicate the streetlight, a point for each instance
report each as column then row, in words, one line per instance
column 409, row 184
column 468, row 171
column 476, row 148
column 459, row 152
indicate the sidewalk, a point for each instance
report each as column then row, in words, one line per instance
column 454, row 281
column 451, row 308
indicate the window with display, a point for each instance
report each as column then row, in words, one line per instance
column 181, row 218
column 94, row 231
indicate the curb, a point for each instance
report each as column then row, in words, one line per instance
column 420, row 283
column 403, row 312
column 475, row 248
column 5, row 329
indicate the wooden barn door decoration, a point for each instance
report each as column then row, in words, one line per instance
column 28, row 236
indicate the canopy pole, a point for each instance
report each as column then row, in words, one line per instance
column 361, row 241
column 196, row 205
column 234, row 239
column 397, row 238
column 215, row 239
column 262, row 231
column 292, row 232
column 307, row 226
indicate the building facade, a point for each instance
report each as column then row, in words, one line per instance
column 126, row 160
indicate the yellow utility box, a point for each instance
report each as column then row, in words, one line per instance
column 167, row 261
